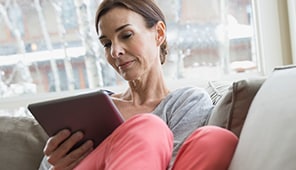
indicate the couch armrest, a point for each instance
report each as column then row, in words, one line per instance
column 268, row 137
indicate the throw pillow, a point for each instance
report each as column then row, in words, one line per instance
column 231, row 110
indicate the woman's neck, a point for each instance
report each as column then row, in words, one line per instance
column 147, row 90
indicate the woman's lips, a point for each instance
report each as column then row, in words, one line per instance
column 125, row 65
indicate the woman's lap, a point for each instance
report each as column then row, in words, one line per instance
column 145, row 142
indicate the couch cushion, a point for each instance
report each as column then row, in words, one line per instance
column 22, row 141
column 267, row 140
column 231, row 110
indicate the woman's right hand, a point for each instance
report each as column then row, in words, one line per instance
column 58, row 146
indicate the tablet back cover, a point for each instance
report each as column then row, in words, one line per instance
column 92, row 113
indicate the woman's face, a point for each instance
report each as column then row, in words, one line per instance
column 130, row 47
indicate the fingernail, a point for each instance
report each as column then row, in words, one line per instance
column 79, row 134
column 89, row 143
column 66, row 132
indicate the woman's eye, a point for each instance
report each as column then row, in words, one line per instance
column 107, row 45
column 127, row 35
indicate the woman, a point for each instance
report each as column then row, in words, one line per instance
column 133, row 34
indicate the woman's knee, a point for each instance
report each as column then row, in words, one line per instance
column 145, row 126
column 214, row 134
column 208, row 147
column 144, row 137
column 214, row 140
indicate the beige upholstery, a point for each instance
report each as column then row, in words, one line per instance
column 22, row 141
column 267, row 140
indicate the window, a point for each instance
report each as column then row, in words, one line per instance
column 212, row 36
column 54, row 47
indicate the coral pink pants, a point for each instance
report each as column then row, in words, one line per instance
column 144, row 142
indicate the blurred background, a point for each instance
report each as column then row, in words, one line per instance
column 51, row 45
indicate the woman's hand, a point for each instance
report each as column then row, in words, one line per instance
column 58, row 146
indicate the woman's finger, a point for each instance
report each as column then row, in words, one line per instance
column 62, row 150
column 54, row 141
column 73, row 158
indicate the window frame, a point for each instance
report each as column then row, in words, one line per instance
column 273, row 35
column 292, row 21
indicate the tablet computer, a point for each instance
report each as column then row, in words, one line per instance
column 93, row 113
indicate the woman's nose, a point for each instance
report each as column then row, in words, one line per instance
column 116, row 50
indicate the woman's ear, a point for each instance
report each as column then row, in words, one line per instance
column 160, row 32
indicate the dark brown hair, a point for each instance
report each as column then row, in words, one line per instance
column 146, row 8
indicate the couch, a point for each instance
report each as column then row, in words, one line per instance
column 260, row 111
